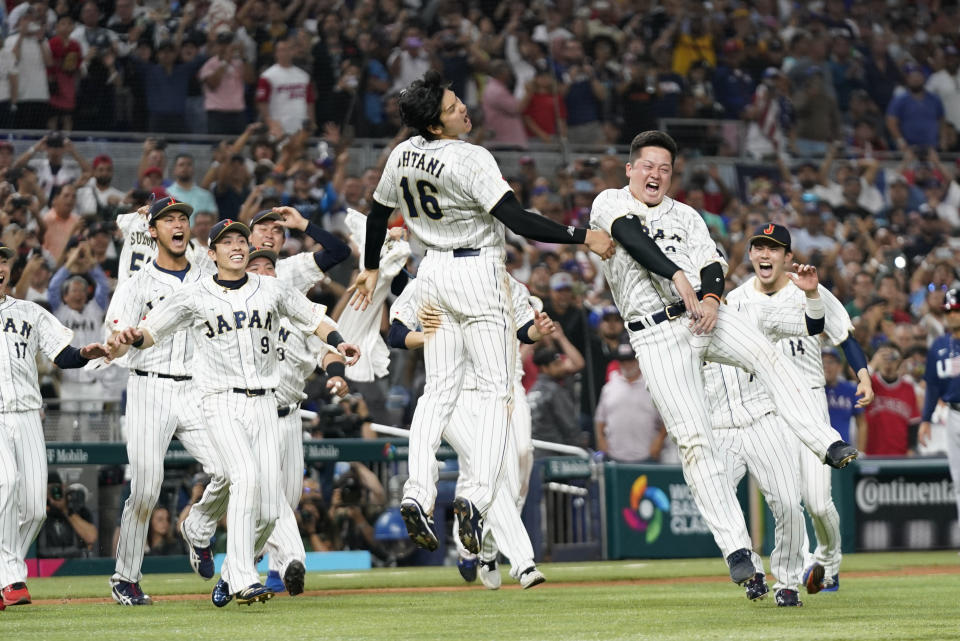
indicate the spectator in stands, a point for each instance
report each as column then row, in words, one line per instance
column 628, row 426
column 769, row 115
column 584, row 97
column 63, row 75
column 31, row 51
column 69, row 531
column 410, row 60
column 231, row 188
column 945, row 84
column 61, row 221
column 841, row 397
column 915, row 118
column 732, row 86
column 223, row 76
column 200, row 227
column 184, row 189
column 161, row 540
column 98, row 197
column 89, row 34
column 553, row 411
column 285, row 94
column 545, row 114
column 894, row 415
column 817, row 115
column 53, row 170
column 502, row 112
column 8, row 79
column 32, row 285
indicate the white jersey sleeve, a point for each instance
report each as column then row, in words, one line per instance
column 299, row 271
column 404, row 309
column 522, row 311
column 125, row 306
column 488, row 185
column 173, row 314
column 301, row 312
column 386, row 191
column 607, row 208
column 53, row 336
column 838, row 323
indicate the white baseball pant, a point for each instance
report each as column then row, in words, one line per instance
column 818, row 499
column 953, row 450
column 245, row 433
column 23, row 490
column 472, row 293
column 502, row 527
column 158, row 408
column 671, row 358
column 768, row 451
column 286, row 544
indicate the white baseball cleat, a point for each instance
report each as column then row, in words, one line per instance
column 489, row 575
column 531, row 577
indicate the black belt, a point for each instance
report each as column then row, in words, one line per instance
column 955, row 407
column 140, row 372
column 667, row 313
column 287, row 409
column 252, row 392
column 464, row 252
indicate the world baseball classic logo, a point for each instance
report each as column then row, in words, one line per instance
column 647, row 507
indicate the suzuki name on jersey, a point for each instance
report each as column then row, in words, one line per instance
column 239, row 318
column 418, row 160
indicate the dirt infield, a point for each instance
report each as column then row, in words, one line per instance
column 911, row 570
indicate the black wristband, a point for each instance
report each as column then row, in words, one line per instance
column 334, row 338
column 336, row 368
column 137, row 343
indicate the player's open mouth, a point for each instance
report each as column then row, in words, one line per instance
column 178, row 238
column 765, row 269
column 237, row 257
column 268, row 244
column 652, row 187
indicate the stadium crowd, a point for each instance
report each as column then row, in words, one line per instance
column 848, row 106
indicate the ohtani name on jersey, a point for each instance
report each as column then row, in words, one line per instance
column 24, row 330
column 418, row 160
column 239, row 319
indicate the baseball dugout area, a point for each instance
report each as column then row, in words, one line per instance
column 578, row 509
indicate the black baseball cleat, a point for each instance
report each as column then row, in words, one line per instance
column 756, row 587
column 839, row 454
column 741, row 566
column 293, row 578
column 419, row 525
column 787, row 598
column 469, row 522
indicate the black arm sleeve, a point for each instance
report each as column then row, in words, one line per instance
column 376, row 234
column 711, row 280
column 399, row 282
column 334, row 250
column 815, row 325
column 336, row 368
column 69, row 358
column 523, row 334
column 511, row 213
column 397, row 336
column 629, row 232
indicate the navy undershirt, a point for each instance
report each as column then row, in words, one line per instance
column 179, row 273
column 231, row 284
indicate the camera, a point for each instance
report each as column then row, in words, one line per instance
column 56, row 491
column 160, row 143
column 351, row 489
column 19, row 202
column 76, row 498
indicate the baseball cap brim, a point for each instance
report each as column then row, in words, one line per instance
column 177, row 206
column 263, row 253
column 264, row 216
column 7, row 252
column 219, row 232
column 765, row 237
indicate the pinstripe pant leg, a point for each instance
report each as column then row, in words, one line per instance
column 521, row 430
column 815, row 486
column 670, row 359
column 285, row 544
column 151, row 420
column 9, row 501
column 771, row 453
column 31, row 456
column 463, row 422
column 730, row 442
column 736, row 341
column 504, row 516
column 266, row 447
column 231, row 431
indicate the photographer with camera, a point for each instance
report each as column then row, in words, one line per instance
column 54, row 171
column 69, row 531
column 32, row 54
column 98, row 197
column 358, row 499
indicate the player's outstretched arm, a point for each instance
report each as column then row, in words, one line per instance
column 135, row 337
column 71, row 357
column 361, row 292
column 332, row 337
column 333, row 365
column 543, row 325
column 511, row 213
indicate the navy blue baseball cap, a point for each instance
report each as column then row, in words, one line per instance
column 217, row 231
column 262, row 252
column 264, row 216
column 773, row 232
column 6, row 252
column 167, row 205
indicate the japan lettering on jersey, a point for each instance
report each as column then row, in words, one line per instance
column 25, row 329
column 677, row 229
column 235, row 330
column 130, row 304
column 445, row 190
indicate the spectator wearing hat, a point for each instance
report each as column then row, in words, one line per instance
column 151, row 181
column 410, row 60
column 502, row 112
column 628, row 426
column 841, row 397
column 945, row 85
column 99, row 197
column 32, row 54
column 915, row 117
column 564, row 309
column 223, row 76
column 285, row 95
column 553, row 411
column 185, row 190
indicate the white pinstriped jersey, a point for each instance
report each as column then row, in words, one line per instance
column 676, row 228
column 131, row 302
column 235, row 330
column 405, row 308
column 139, row 248
column 445, row 190
column 298, row 354
column 26, row 329
column 735, row 397
column 299, row 271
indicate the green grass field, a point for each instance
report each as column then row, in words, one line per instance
column 909, row 596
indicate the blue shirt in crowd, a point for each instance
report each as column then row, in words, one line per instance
column 919, row 119
column 842, row 406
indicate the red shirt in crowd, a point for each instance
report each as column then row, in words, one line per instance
column 540, row 110
column 889, row 417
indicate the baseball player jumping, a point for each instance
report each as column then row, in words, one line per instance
column 654, row 294
column 162, row 399
column 235, row 319
column 503, row 525
column 455, row 202
column 27, row 330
